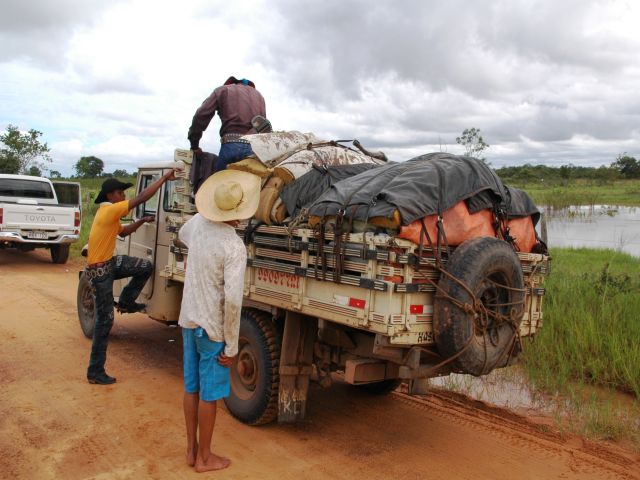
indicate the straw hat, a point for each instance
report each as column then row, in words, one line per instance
column 229, row 195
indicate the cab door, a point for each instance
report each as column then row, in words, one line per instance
column 142, row 242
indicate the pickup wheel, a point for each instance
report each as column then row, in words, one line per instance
column 255, row 378
column 60, row 253
column 484, row 335
column 86, row 302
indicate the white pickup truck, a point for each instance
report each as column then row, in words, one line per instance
column 38, row 213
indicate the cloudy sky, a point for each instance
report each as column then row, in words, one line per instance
column 545, row 81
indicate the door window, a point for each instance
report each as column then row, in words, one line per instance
column 170, row 200
column 150, row 207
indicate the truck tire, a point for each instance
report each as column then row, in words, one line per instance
column 383, row 387
column 86, row 303
column 255, row 378
column 60, row 253
column 492, row 271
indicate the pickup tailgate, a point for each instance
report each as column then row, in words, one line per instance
column 37, row 218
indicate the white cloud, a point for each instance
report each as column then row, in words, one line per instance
column 545, row 81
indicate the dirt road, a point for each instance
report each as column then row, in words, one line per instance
column 53, row 424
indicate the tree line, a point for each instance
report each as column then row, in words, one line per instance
column 25, row 153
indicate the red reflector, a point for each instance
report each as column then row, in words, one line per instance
column 416, row 309
column 77, row 220
column 356, row 303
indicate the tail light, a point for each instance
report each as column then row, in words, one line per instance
column 421, row 309
column 1, row 213
column 350, row 301
column 76, row 223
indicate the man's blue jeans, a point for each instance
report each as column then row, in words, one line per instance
column 120, row 266
column 232, row 152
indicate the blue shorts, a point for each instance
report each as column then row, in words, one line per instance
column 202, row 372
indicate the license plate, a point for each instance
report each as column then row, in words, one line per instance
column 37, row 235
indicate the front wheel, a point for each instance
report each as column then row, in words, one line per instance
column 86, row 303
column 255, row 378
column 60, row 253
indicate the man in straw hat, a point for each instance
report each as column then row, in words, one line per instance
column 237, row 103
column 211, row 304
column 103, row 268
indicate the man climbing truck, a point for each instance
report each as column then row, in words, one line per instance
column 373, row 291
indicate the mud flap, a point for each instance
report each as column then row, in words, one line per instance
column 296, row 360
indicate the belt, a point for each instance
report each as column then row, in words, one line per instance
column 97, row 269
column 99, row 264
column 233, row 138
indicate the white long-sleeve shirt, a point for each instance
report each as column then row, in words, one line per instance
column 212, row 295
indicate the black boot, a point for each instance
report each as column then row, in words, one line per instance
column 101, row 379
column 133, row 308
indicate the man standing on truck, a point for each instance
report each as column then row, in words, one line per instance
column 211, row 304
column 237, row 103
column 103, row 268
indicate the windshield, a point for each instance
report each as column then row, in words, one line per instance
column 21, row 188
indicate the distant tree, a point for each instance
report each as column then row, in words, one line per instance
column 89, row 167
column 473, row 143
column 55, row 174
column 22, row 151
column 120, row 173
column 34, row 171
column 565, row 173
column 628, row 166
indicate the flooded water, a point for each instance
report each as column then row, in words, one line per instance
column 511, row 388
column 598, row 226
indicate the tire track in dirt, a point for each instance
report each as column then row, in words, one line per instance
column 586, row 457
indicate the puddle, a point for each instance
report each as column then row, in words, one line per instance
column 505, row 387
column 511, row 388
column 597, row 226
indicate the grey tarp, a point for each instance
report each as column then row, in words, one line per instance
column 425, row 185
column 311, row 185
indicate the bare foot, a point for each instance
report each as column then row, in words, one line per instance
column 191, row 456
column 213, row 462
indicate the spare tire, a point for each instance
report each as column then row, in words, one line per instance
column 481, row 336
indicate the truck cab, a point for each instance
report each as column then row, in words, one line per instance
column 152, row 242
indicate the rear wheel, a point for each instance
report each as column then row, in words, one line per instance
column 86, row 303
column 255, row 378
column 60, row 253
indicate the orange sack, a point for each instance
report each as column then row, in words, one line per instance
column 460, row 225
column 523, row 233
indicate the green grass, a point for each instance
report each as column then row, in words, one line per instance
column 582, row 192
column 591, row 330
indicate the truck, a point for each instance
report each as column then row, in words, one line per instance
column 38, row 213
column 368, row 309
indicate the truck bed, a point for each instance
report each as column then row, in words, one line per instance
column 380, row 284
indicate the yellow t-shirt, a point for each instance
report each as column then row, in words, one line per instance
column 106, row 227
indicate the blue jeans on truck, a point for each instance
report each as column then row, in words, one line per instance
column 120, row 266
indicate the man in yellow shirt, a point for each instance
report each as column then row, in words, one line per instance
column 103, row 267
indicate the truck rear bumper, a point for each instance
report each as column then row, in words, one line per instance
column 14, row 237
